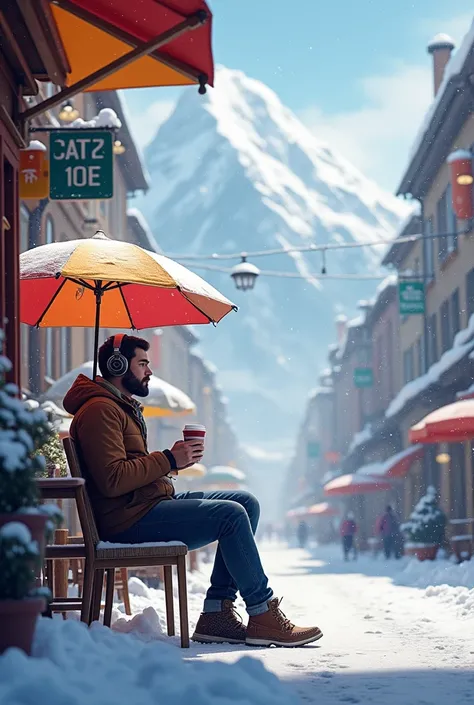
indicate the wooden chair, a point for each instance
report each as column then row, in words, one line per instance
column 105, row 558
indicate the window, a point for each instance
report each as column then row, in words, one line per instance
column 408, row 365
column 432, row 339
column 451, row 220
column 429, row 244
column 49, row 230
column 419, row 356
column 65, row 350
column 455, row 315
column 24, row 228
column 445, row 324
column 442, row 228
column 470, row 294
column 48, row 353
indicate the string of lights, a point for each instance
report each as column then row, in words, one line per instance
column 315, row 248
column 245, row 273
column 293, row 275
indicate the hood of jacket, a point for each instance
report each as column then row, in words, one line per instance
column 84, row 389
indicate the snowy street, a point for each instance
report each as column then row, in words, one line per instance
column 383, row 643
column 397, row 633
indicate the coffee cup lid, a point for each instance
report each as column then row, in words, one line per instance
column 194, row 427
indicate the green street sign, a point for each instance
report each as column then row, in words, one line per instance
column 314, row 449
column 363, row 377
column 411, row 298
column 81, row 165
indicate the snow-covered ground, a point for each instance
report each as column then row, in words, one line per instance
column 397, row 633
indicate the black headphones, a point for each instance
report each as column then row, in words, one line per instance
column 117, row 364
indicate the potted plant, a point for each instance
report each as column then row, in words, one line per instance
column 23, row 522
column 20, row 603
column 426, row 527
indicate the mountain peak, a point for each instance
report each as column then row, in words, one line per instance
column 234, row 171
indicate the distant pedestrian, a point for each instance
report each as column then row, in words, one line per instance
column 302, row 534
column 348, row 533
column 390, row 531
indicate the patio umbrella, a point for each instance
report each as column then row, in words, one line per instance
column 106, row 283
column 355, row 484
column 163, row 399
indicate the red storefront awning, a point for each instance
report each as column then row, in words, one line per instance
column 395, row 467
column 355, row 484
column 453, row 423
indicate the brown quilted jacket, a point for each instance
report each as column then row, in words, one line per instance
column 123, row 480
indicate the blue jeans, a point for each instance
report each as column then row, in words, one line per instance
column 200, row 518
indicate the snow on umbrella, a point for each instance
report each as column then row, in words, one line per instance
column 355, row 484
column 105, row 283
column 163, row 400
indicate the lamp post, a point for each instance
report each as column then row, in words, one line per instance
column 245, row 275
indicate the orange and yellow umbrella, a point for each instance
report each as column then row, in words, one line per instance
column 105, row 283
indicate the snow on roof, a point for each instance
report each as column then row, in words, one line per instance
column 463, row 344
column 360, row 438
column 143, row 223
column 453, row 67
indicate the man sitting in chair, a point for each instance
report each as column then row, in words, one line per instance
column 134, row 501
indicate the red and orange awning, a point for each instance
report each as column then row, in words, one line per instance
column 453, row 423
column 96, row 32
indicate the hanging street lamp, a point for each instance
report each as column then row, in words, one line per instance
column 68, row 112
column 245, row 275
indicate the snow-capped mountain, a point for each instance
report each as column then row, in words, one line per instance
column 237, row 171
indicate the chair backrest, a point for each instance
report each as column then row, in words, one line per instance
column 86, row 515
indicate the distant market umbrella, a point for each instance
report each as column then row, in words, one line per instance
column 163, row 399
column 107, row 283
column 195, row 471
column 355, row 484
column 323, row 509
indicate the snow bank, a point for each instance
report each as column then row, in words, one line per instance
column 73, row 664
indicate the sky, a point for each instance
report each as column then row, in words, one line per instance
column 356, row 72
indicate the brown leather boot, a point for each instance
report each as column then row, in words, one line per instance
column 273, row 627
column 220, row 627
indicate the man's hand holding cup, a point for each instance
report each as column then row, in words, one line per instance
column 191, row 449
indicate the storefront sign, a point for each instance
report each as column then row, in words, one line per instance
column 314, row 449
column 33, row 174
column 81, row 165
column 411, row 298
column 363, row 377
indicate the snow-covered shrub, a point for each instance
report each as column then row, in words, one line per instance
column 427, row 522
column 19, row 558
column 22, row 431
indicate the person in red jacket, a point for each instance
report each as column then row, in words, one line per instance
column 348, row 532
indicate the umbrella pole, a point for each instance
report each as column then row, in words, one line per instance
column 98, row 299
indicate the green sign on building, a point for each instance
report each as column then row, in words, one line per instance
column 363, row 377
column 314, row 449
column 81, row 165
column 411, row 298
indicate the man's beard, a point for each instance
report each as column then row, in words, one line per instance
column 133, row 385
